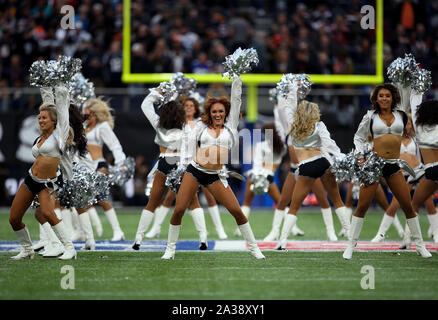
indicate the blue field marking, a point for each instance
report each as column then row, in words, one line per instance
column 126, row 245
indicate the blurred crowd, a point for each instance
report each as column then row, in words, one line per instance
column 194, row 36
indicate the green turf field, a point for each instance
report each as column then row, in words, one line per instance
column 222, row 275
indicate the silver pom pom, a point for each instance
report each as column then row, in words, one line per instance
column 273, row 95
column 301, row 80
column 240, row 62
column 343, row 169
column 174, row 178
column 81, row 90
column 422, row 80
column 119, row 175
column 51, row 73
column 402, row 70
column 369, row 171
column 84, row 189
column 259, row 182
column 183, row 84
column 168, row 92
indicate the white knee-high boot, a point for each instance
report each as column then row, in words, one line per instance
column 348, row 212
column 84, row 221
column 276, row 223
column 406, row 242
column 159, row 216
column 383, row 228
column 289, row 221
column 145, row 220
column 66, row 217
column 248, row 235
column 216, row 218
column 118, row 234
column 61, row 233
column 172, row 238
column 433, row 220
column 95, row 221
column 199, row 221
column 296, row 231
column 398, row 226
column 42, row 242
column 344, row 218
column 77, row 234
column 26, row 245
column 353, row 236
column 328, row 221
column 54, row 248
column 414, row 226
column 246, row 211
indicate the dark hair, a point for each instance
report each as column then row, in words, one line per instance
column 427, row 113
column 76, row 123
column 196, row 103
column 172, row 116
column 278, row 145
column 206, row 118
column 394, row 92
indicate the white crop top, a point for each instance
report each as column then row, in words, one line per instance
column 411, row 148
column 379, row 128
column 103, row 134
column 170, row 139
column 54, row 145
column 426, row 135
column 224, row 140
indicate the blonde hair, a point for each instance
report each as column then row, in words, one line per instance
column 51, row 108
column 102, row 111
column 305, row 117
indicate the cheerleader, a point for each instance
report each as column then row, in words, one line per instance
column 267, row 158
column 55, row 139
column 213, row 137
column 99, row 130
column 386, row 124
column 311, row 141
column 170, row 136
column 284, row 116
column 425, row 121
column 410, row 153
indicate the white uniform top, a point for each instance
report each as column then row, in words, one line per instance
column 54, row 146
column 169, row 139
column 228, row 136
column 319, row 138
column 411, row 148
column 379, row 128
column 426, row 135
column 103, row 134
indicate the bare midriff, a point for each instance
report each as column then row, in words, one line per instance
column 95, row 151
column 212, row 157
column 166, row 150
column 429, row 155
column 303, row 154
column 388, row 146
column 45, row 167
column 411, row 159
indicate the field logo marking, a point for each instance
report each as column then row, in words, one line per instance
column 68, row 281
column 367, row 281
column 68, row 21
column 368, row 21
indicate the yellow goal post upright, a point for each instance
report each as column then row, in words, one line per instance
column 252, row 81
